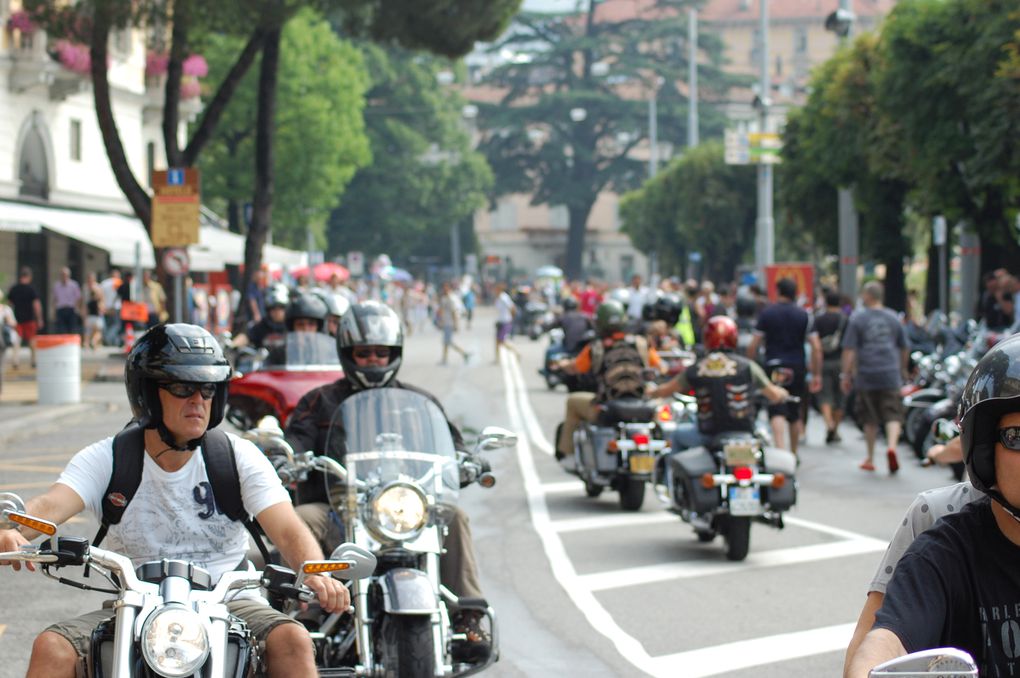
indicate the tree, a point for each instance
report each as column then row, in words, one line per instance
column 574, row 104
column 425, row 177
column 698, row 204
column 320, row 130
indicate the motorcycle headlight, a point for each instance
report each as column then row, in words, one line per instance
column 400, row 511
column 174, row 642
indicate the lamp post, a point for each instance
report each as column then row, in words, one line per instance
column 692, row 77
column 765, row 224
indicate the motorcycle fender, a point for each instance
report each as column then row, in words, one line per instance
column 407, row 591
column 687, row 468
column 923, row 398
column 780, row 461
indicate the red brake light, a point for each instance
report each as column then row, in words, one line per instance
column 640, row 438
column 743, row 472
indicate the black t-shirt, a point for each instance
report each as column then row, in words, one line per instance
column 22, row 298
column 958, row 585
column 827, row 324
column 786, row 327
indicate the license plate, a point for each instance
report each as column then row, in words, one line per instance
column 641, row 463
column 740, row 454
column 744, row 501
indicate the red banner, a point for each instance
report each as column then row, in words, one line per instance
column 802, row 274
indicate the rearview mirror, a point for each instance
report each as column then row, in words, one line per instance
column 361, row 560
column 9, row 503
column 941, row 662
column 494, row 437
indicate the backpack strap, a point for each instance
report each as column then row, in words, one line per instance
column 128, row 447
column 598, row 353
column 641, row 344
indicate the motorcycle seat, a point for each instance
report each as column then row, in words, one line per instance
column 626, row 410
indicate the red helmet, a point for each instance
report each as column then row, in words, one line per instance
column 720, row 333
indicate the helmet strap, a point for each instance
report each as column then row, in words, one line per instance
column 167, row 437
column 1013, row 511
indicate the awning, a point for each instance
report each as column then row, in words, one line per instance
column 114, row 233
column 228, row 247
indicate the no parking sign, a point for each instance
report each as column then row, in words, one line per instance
column 175, row 261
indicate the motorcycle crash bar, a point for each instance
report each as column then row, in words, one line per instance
column 743, row 478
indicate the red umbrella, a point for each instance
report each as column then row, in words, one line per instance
column 322, row 272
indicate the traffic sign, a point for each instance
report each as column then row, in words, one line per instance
column 765, row 147
column 356, row 263
column 176, row 203
column 737, row 148
column 175, row 261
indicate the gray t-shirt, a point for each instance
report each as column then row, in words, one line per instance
column 878, row 338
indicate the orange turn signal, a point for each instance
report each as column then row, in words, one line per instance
column 612, row 446
column 778, row 480
column 320, row 566
column 707, row 481
column 44, row 526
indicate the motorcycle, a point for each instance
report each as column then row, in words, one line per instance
column 402, row 476
column 621, row 449
column 942, row 662
column 554, row 375
column 169, row 618
column 287, row 371
column 721, row 486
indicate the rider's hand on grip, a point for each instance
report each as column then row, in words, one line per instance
column 332, row 594
column 12, row 540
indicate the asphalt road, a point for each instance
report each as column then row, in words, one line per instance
column 580, row 587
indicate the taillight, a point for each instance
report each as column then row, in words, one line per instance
column 665, row 413
column 743, row 472
column 640, row 438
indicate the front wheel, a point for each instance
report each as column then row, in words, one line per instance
column 632, row 494
column 738, row 537
column 406, row 647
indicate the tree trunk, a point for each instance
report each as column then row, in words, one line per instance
column 172, row 90
column 575, row 240
column 264, row 176
column 138, row 198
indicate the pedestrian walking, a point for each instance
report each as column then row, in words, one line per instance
column 830, row 324
column 94, row 313
column 27, row 311
column 111, row 306
column 8, row 334
column 67, row 300
column 447, row 317
column 154, row 298
column 874, row 362
column 505, row 311
column 784, row 328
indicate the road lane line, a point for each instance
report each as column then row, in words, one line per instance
column 613, row 521
column 561, row 487
column 528, row 414
column 25, row 486
column 639, row 576
column 743, row 654
column 30, row 468
column 819, row 527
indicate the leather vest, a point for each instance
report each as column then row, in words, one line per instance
column 724, row 387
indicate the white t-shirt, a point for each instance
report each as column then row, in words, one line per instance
column 504, row 308
column 173, row 515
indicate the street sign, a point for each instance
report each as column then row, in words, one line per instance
column 356, row 263
column 175, row 261
column 765, row 147
column 938, row 236
column 175, row 207
column 802, row 274
column 737, row 148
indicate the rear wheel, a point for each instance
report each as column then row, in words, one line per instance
column 632, row 494
column 738, row 537
column 406, row 647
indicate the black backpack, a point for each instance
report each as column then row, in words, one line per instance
column 218, row 454
column 620, row 368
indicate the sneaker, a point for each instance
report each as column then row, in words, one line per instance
column 477, row 644
column 830, row 437
column 894, row 463
column 836, row 437
column 866, row 465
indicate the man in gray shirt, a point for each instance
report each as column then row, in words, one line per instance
column 874, row 361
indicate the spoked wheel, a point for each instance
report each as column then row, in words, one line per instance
column 738, row 537
column 632, row 494
column 406, row 647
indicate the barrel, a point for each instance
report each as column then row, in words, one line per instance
column 58, row 368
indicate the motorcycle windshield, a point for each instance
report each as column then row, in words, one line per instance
column 394, row 434
column 304, row 350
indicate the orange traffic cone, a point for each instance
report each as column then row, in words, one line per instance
column 129, row 336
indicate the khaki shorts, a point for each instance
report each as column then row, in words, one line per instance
column 259, row 617
column 879, row 406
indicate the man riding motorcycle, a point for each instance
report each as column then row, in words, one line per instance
column 336, row 305
column 575, row 326
column 176, row 378
column 617, row 360
column 722, row 382
column 370, row 343
column 271, row 328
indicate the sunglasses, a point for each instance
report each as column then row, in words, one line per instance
column 363, row 353
column 1009, row 436
column 186, row 389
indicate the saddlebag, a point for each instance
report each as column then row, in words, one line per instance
column 687, row 468
column 596, row 453
column 780, row 461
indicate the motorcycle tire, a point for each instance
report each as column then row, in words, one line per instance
column 738, row 537
column 592, row 490
column 406, row 647
column 924, row 443
column 913, row 425
column 632, row 494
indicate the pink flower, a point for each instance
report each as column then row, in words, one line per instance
column 190, row 88
column 21, row 21
column 195, row 65
column 155, row 64
column 74, row 57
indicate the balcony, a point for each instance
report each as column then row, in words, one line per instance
column 32, row 67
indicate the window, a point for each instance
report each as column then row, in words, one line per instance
column 800, row 40
column 504, row 217
column 75, row 139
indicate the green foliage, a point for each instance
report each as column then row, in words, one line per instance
column 698, row 204
column 320, row 137
column 425, row 176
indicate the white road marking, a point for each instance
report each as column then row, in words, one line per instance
column 615, row 520
column 743, row 654
column 639, row 576
column 528, row 414
column 694, row 663
column 561, row 487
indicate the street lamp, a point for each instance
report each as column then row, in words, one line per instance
column 765, row 224
column 578, row 114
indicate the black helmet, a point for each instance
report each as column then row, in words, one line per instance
column 168, row 353
column 569, row 304
column 746, row 306
column 992, row 390
column 370, row 323
column 648, row 310
column 307, row 305
column 610, row 317
column 277, row 297
column 667, row 307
